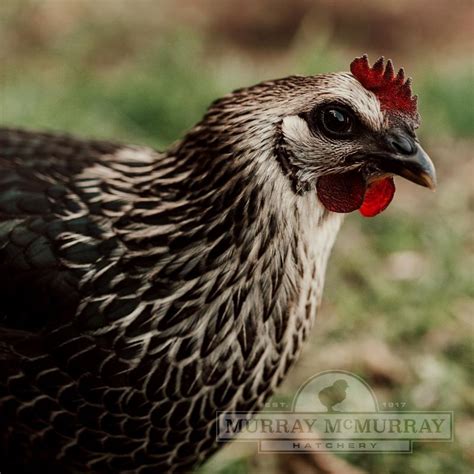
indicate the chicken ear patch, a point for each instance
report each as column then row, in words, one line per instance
column 377, row 197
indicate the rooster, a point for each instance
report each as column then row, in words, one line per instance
column 142, row 292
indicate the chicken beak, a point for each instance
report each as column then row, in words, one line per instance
column 408, row 159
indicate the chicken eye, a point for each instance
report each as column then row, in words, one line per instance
column 336, row 121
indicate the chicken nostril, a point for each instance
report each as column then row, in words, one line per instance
column 402, row 145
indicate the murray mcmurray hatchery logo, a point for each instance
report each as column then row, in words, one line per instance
column 335, row 411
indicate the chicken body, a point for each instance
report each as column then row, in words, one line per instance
column 142, row 293
column 131, row 316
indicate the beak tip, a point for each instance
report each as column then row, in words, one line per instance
column 430, row 181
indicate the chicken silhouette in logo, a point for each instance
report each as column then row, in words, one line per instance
column 333, row 395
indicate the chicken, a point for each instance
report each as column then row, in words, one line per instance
column 143, row 292
column 333, row 395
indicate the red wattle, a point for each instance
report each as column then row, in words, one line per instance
column 341, row 192
column 378, row 196
column 349, row 191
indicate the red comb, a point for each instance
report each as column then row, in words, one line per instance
column 393, row 92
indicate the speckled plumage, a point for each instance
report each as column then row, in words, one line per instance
column 142, row 292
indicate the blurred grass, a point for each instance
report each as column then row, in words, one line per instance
column 76, row 97
column 403, row 279
column 448, row 101
column 182, row 77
